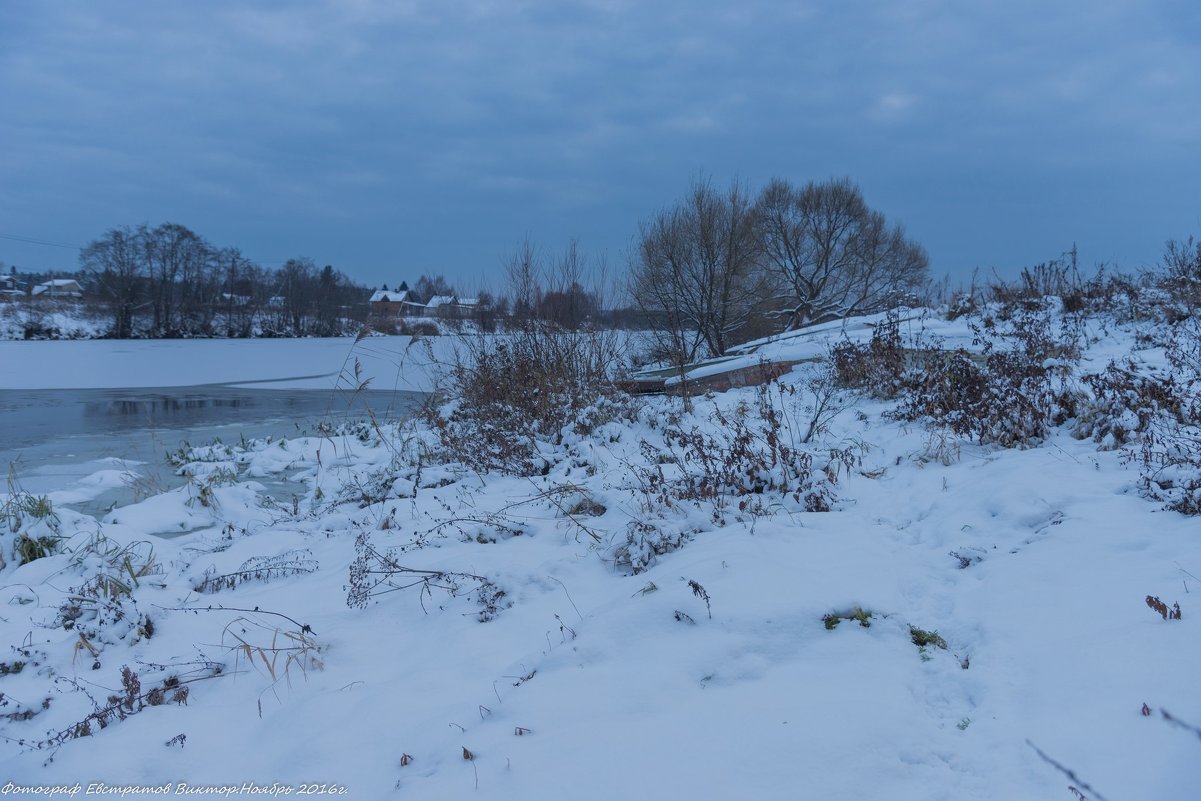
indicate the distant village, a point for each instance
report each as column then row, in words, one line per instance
column 383, row 304
column 297, row 300
column 248, row 313
column 391, row 304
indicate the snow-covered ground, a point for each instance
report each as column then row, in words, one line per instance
column 417, row 629
column 49, row 321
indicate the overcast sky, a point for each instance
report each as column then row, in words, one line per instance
column 392, row 138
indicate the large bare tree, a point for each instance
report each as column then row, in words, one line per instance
column 695, row 269
column 116, row 261
column 177, row 260
column 830, row 254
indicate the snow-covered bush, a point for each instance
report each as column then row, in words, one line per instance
column 1123, row 405
column 1171, row 460
column 1180, row 279
column 29, row 526
column 644, row 542
column 1010, row 395
column 748, row 459
column 508, row 393
column 102, row 609
column 1170, row 452
column 877, row 367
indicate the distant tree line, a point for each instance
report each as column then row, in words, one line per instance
column 168, row 281
column 719, row 267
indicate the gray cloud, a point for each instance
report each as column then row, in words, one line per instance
column 393, row 137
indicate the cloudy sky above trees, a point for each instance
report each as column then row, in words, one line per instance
column 395, row 138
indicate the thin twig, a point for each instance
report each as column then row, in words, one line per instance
column 568, row 594
column 1175, row 721
column 304, row 627
column 1071, row 774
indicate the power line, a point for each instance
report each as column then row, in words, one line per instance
column 33, row 241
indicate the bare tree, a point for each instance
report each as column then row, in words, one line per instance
column 175, row 258
column 574, row 289
column 116, row 261
column 298, row 293
column 241, row 293
column 524, row 272
column 695, row 270
column 831, row 255
column 428, row 286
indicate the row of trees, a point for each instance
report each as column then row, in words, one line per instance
column 721, row 267
column 717, row 268
column 168, row 281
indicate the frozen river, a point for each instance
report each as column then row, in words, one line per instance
column 88, row 423
column 36, row 418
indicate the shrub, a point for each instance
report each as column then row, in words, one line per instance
column 1181, row 278
column 1170, row 450
column 1170, row 455
column 1010, row 397
column 132, row 698
column 877, row 367
column 644, row 542
column 508, row 392
column 751, row 457
column 418, row 328
column 1124, row 404
column 1056, row 278
column 374, row 572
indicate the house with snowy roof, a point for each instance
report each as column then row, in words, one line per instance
column 452, row 307
column 58, row 288
column 9, row 288
column 440, row 305
column 388, row 303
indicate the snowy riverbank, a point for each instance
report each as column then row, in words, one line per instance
column 607, row 627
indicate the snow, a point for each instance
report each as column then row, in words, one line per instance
column 386, row 296
column 815, row 342
column 440, row 300
column 63, row 320
column 67, row 286
column 585, row 683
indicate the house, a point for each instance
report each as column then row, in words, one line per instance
column 390, row 303
column 9, row 288
column 58, row 288
column 453, row 307
column 440, row 305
